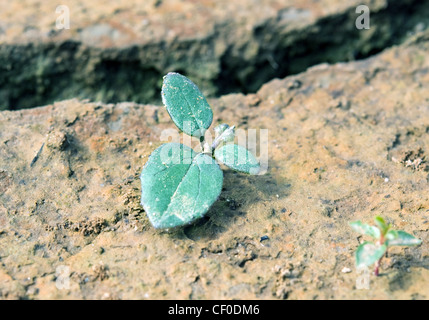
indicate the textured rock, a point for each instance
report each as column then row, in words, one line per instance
column 120, row 51
column 346, row 142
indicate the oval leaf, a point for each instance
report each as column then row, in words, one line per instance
column 186, row 105
column 179, row 185
column 238, row 158
column 401, row 238
column 368, row 253
column 363, row 228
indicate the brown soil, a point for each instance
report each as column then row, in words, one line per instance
column 346, row 142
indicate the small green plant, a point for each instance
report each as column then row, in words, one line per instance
column 179, row 185
column 369, row 253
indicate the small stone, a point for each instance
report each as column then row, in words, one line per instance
column 346, row 270
column 57, row 140
column 264, row 238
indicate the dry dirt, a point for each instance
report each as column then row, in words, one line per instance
column 346, row 141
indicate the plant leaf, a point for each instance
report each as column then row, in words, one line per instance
column 382, row 225
column 401, row 238
column 365, row 229
column 368, row 253
column 179, row 185
column 220, row 129
column 238, row 158
column 225, row 133
column 186, row 105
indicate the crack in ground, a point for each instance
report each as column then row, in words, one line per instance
column 30, row 74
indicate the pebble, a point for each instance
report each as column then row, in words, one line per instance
column 346, row 270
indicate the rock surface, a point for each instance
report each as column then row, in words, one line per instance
column 116, row 52
column 346, row 142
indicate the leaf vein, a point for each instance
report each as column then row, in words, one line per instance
column 200, row 125
column 177, row 188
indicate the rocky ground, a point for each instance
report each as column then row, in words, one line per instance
column 118, row 51
column 346, row 141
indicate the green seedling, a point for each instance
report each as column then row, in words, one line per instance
column 369, row 253
column 179, row 185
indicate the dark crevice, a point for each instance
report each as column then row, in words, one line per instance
column 332, row 39
column 39, row 74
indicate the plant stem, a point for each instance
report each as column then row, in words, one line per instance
column 202, row 143
column 377, row 267
column 219, row 139
column 377, row 264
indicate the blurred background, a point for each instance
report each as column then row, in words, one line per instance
column 112, row 51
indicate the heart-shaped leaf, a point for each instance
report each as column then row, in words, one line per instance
column 401, row 238
column 363, row 228
column 368, row 253
column 238, row 158
column 186, row 105
column 179, row 185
